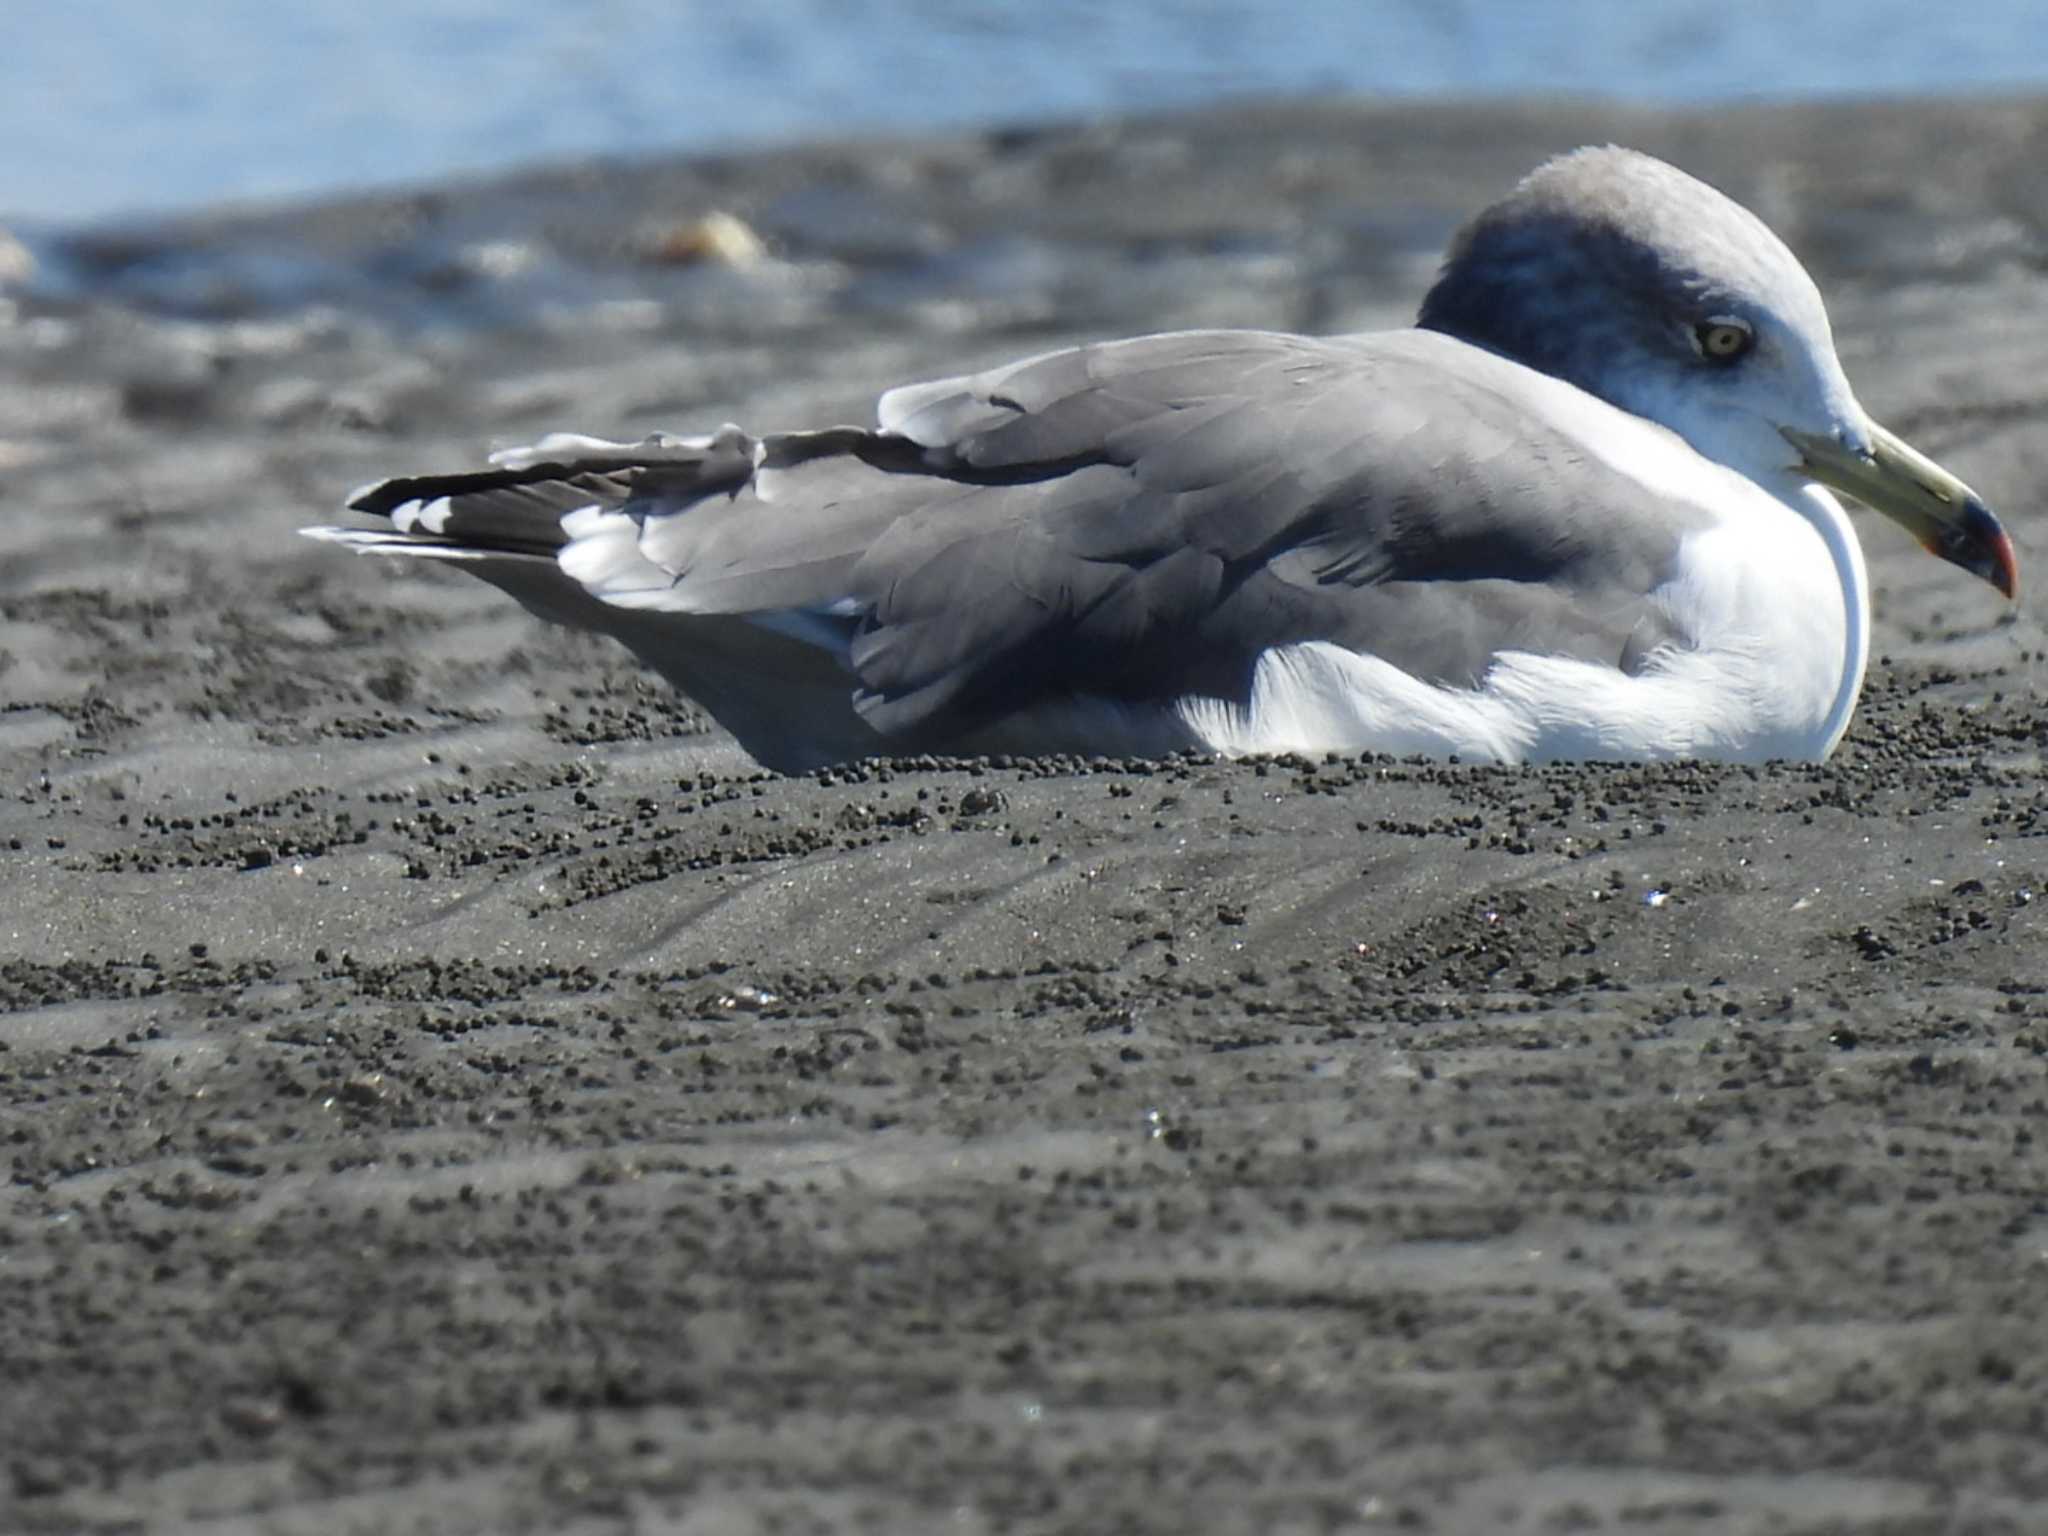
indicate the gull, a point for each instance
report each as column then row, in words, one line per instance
column 1581, row 510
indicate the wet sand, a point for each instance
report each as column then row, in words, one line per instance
column 447, row 1089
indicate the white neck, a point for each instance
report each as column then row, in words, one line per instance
column 1826, row 514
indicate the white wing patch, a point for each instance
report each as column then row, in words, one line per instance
column 603, row 556
column 422, row 516
column 607, row 556
column 553, row 449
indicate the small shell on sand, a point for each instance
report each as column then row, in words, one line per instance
column 17, row 265
column 717, row 238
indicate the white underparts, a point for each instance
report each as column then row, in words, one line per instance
column 1777, row 611
column 1319, row 697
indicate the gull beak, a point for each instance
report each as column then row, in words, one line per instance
column 1888, row 475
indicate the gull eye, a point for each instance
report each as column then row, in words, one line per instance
column 1722, row 340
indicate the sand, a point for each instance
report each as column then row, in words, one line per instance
column 447, row 1089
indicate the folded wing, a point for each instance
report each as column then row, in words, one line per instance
column 1134, row 521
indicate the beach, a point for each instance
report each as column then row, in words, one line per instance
column 446, row 1087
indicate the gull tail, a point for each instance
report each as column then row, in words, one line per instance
column 558, row 526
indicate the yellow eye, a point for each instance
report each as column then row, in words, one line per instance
column 1722, row 341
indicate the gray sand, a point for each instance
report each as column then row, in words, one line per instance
column 446, row 1089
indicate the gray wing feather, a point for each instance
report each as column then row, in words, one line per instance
column 1269, row 490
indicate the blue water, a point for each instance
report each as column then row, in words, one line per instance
column 118, row 105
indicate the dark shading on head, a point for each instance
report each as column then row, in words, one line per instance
column 1603, row 261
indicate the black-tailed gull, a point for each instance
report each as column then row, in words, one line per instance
column 1578, row 511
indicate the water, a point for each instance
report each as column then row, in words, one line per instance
column 123, row 105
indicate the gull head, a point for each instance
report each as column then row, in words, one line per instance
column 1644, row 286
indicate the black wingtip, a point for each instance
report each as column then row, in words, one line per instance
column 372, row 498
